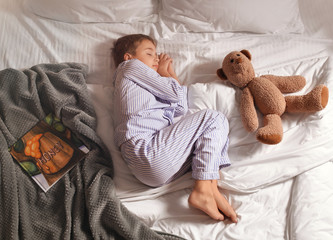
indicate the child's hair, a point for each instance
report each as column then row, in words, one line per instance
column 128, row 44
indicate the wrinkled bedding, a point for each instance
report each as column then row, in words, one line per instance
column 74, row 207
column 283, row 191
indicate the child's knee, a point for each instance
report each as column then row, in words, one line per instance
column 223, row 121
column 152, row 180
column 150, row 175
column 218, row 118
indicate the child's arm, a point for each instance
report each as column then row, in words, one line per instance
column 166, row 69
column 166, row 88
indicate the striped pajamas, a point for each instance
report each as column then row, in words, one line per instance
column 155, row 147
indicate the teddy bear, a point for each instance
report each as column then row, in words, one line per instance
column 265, row 93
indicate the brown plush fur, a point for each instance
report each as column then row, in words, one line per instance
column 266, row 93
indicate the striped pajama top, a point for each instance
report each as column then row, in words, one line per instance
column 144, row 101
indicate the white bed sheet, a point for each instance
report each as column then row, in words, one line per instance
column 311, row 211
column 267, row 185
column 261, row 178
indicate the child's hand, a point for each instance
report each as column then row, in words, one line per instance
column 165, row 68
column 163, row 65
column 171, row 71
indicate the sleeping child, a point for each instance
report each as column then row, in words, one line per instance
column 157, row 149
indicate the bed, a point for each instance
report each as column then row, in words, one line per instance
column 282, row 191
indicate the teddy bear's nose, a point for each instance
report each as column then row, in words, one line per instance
column 239, row 60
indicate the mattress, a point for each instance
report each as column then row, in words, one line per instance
column 282, row 191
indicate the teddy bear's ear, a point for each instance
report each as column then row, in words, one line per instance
column 221, row 74
column 247, row 54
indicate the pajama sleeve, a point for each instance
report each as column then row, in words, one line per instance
column 165, row 88
column 182, row 106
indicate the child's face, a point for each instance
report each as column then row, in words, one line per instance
column 146, row 53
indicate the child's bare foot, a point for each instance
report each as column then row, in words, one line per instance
column 223, row 204
column 209, row 200
column 202, row 197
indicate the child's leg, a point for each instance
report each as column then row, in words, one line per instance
column 199, row 139
column 211, row 149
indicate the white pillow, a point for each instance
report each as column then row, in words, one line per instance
column 258, row 16
column 83, row 11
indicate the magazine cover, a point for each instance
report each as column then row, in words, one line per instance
column 48, row 151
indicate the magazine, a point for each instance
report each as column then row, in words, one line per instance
column 48, row 151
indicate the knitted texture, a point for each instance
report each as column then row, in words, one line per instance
column 83, row 203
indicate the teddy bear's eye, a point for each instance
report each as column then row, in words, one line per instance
column 238, row 55
column 232, row 60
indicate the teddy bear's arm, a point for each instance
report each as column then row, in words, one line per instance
column 287, row 84
column 248, row 111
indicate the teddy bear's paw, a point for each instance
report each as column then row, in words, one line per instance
column 317, row 99
column 324, row 96
column 272, row 138
column 314, row 101
column 271, row 132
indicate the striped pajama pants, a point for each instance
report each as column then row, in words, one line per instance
column 198, row 142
